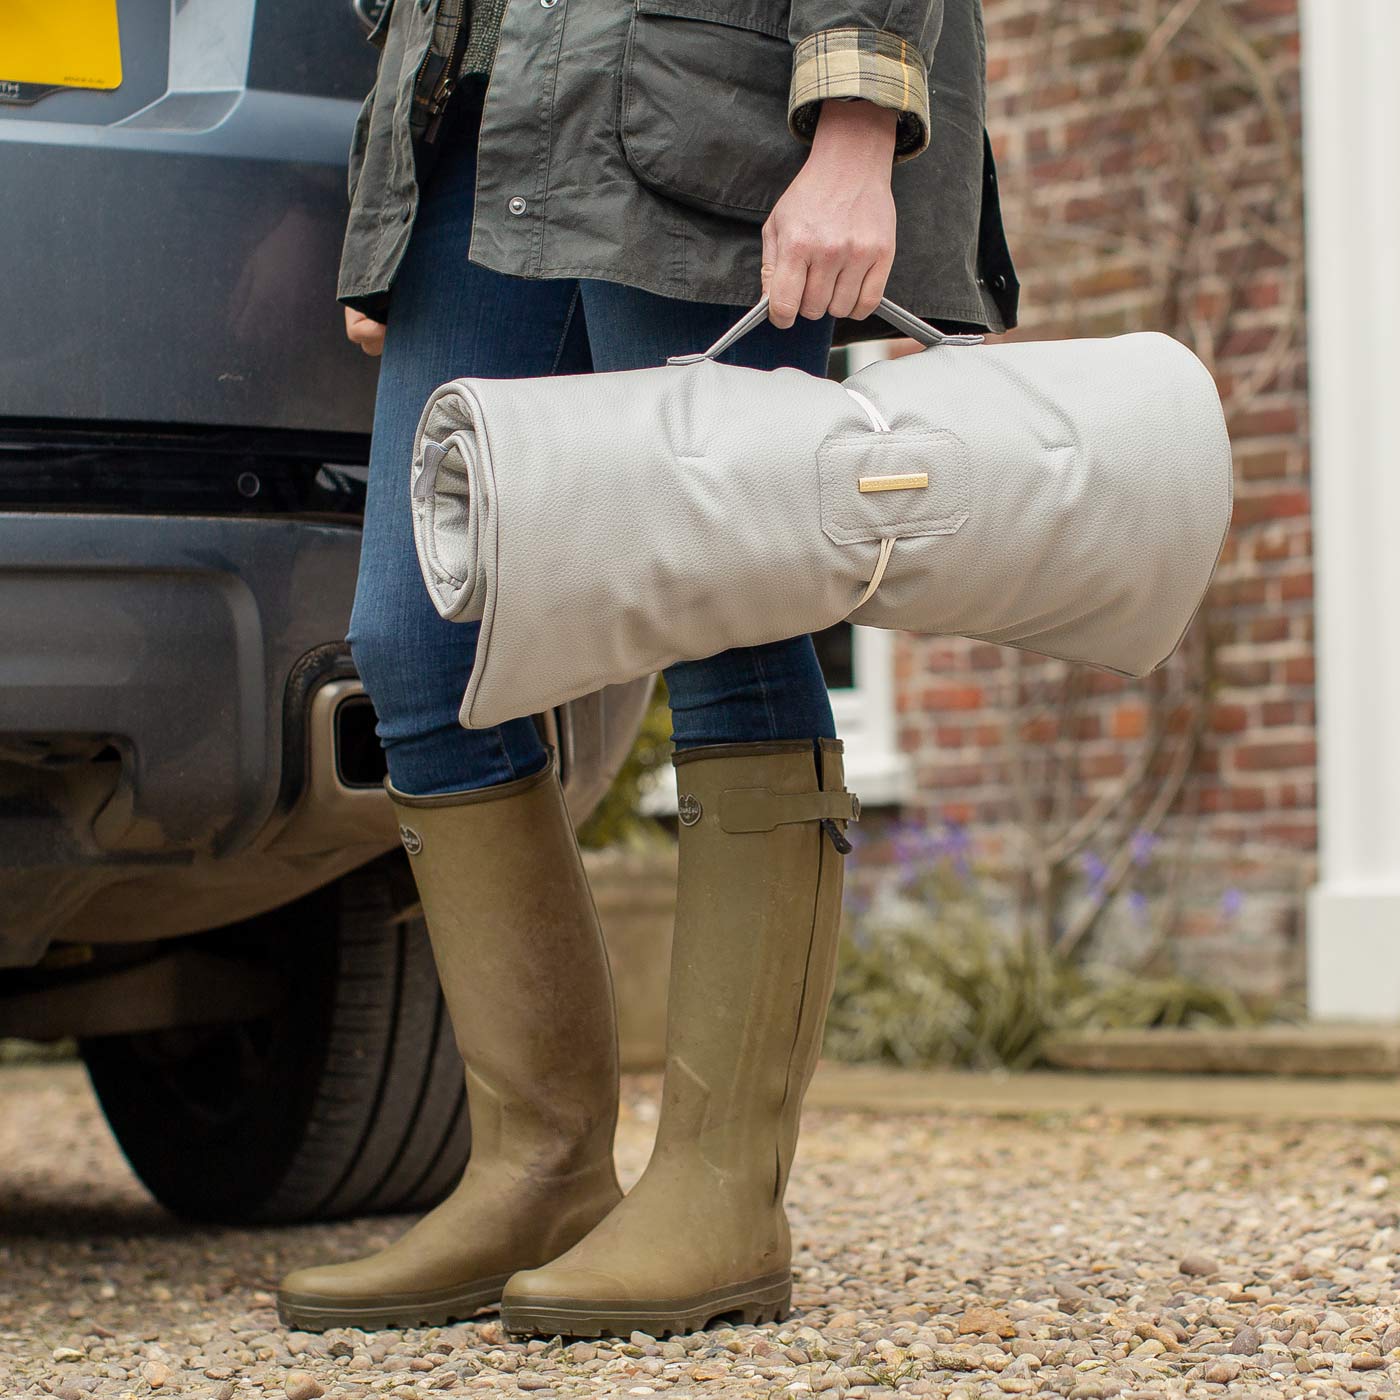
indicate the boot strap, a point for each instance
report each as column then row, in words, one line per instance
column 761, row 809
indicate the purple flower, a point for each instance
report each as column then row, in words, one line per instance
column 1142, row 846
column 957, row 845
column 1095, row 871
column 1231, row 902
column 915, row 848
column 956, row 840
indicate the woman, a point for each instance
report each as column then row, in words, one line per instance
column 635, row 177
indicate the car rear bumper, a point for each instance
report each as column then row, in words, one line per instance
column 155, row 677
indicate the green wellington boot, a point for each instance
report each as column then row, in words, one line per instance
column 525, row 976
column 703, row 1234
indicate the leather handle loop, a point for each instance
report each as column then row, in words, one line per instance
column 888, row 311
column 761, row 809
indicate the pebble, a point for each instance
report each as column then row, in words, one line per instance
column 1245, row 1343
column 976, row 1321
column 155, row 1374
column 300, row 1386
column 956, row 1258
column 1198, row 1266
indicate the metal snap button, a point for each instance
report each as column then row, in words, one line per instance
column 548, row 4
column 517, row 205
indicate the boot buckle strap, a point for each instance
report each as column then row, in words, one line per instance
column 760, row 809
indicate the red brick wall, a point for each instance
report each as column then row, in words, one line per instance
column 1166, row 203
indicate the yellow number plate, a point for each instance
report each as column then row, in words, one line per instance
column 46, row 44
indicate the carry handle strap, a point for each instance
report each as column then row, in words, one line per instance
column 895, row 316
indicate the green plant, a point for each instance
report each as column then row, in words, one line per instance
column 618, row 819
column 932, row 977
column 949, row 992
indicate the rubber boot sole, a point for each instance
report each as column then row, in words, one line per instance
column 757, row 1301
column 308, row 1312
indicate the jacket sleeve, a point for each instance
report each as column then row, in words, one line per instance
column 879, row 50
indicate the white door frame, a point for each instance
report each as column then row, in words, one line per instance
column 1351, row 124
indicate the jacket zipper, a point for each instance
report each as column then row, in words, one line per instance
column 445, row 79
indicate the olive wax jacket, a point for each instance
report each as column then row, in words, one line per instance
column 645, row 142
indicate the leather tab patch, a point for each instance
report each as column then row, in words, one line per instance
column 897, row 485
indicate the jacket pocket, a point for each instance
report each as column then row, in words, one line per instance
column 704, row 104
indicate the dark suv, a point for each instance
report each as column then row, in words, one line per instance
column 199, row 875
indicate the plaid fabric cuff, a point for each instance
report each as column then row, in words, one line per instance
column 868, row 63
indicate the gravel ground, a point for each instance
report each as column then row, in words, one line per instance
column 944, row 1255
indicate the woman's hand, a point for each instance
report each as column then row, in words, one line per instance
column 361, row 331
column 829, row 242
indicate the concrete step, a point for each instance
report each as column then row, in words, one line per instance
column 1316, row 1048
column 1041, row 1093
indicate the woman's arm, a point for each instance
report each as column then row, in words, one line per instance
column 829, row 242
column 859, row 94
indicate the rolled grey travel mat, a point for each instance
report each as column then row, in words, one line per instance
column 1067, row 497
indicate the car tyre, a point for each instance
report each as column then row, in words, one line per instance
column 349, row 1100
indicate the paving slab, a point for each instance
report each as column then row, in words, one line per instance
column 880, row 1089
column 1314, row 1048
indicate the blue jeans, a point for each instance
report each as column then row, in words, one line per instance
column 452, row 318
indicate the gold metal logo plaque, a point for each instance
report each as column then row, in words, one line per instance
column 910, row 481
